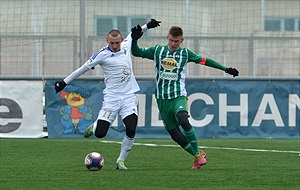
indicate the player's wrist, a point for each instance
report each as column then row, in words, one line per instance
column 144, row 28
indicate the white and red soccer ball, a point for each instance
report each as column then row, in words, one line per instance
column 94, row 161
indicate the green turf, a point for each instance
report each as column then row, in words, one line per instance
column 59, row 164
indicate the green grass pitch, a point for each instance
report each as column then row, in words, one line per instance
column 153, row 164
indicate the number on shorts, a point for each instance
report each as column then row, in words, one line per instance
column 107, row 113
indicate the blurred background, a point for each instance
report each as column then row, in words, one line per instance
column 41, row 38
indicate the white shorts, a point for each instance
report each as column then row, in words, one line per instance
column 112, row 106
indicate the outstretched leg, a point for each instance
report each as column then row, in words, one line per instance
column 130, row 123
column 180, row 139
column 189, row 132
column 200, row 156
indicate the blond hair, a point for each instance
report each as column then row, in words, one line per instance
column 114, row 33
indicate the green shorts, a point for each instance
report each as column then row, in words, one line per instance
column 168, row 109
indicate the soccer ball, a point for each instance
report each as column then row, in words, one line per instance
column 94, row 161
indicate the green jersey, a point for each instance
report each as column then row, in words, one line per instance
column 170, row 68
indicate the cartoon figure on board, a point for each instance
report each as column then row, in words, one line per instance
column 75, row 116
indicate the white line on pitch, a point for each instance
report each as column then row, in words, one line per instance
column 219, row 148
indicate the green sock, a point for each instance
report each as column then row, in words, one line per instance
column 189, row 149
column 192, row 138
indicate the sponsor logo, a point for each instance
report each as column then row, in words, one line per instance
column 168, row 63
column 168, row 75
column 13, row 115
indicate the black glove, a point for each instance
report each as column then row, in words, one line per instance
column 153, row 23
column 232, row 71
column 59, row 86
column 136, row 32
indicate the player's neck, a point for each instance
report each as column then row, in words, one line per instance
column 174, row 49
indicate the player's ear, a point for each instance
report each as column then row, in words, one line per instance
column 182, row 40
column 106, row 39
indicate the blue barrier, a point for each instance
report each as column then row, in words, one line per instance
column 217, row 108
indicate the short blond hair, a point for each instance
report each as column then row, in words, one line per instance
column 114, row 33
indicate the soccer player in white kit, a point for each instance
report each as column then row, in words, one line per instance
column 120, row 88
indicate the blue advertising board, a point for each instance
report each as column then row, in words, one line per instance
column 217, row 109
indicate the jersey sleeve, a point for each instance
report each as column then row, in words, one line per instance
column 95, row 59
column 89, row 64
column 144, row 28
column 75, row 74
column 142, row 52
column 193, row 57
column 128, row 39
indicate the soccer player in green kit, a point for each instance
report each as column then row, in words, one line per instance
column 170, row 67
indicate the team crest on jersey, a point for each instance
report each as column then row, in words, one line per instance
column 168, row 63
column 126, row 73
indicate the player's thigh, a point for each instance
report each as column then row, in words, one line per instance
column 167, row 113
column 128, row 105
column 110, row 109
column 180, row 104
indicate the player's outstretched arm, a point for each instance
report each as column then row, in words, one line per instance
column 59, row 86
column 151, row 24
column 212, row 63
column 137, row 31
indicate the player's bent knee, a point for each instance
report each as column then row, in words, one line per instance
column 130, row 124
column 101, row 128
column 100, row 134
column 130, row 133
column 182, row 117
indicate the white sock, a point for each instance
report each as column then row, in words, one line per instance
column 94, row 126
column 125, row 148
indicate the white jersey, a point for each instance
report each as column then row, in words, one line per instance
column 117, row 67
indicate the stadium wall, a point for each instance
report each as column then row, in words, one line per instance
column 45, row 40
column 218, row 108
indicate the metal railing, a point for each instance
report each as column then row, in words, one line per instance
column 41, row 55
